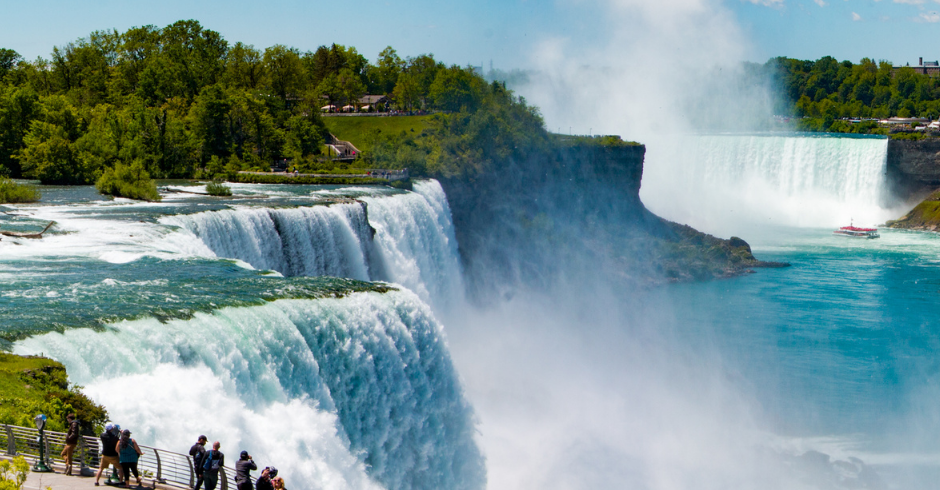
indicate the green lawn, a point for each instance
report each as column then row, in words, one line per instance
column 356, row 129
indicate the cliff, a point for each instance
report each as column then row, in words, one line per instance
column 913, row 167
column 572, row 212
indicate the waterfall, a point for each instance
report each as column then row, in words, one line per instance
column 413, row 243
column 307, row 241
column 338, row 393
column 726, row 183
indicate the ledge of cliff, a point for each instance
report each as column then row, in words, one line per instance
column 574, row 211
column 925, row 216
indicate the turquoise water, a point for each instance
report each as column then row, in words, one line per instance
column 844, row 342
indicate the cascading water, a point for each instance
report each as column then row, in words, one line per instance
column 337, row 382
column 291, row 381
column 727, row 184
column 413, row 243
column 309, row 241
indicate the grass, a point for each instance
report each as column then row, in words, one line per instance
column 11, row 192
column 130, row 181
column 358, row 129
column 218, row 189
column 32, row 385
column 924, row 215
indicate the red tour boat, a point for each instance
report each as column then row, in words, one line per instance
column 855, row 232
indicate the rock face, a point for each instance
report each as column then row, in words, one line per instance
column 913, row 167
column 574, row 213
column 925, row 216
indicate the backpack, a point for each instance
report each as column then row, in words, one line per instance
column 199, row 458
column 211, row 464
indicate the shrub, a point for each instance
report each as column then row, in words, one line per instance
column 218, row 189
column 11, row 192
column 130, row 181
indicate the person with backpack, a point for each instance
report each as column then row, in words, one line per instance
column 213, row 462
column 129, row 453
column 109, row 454
column 243, row 468
column 198, row 452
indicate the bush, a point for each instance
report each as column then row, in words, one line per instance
column 11, row 192
column 218, row 189
column 130, row 181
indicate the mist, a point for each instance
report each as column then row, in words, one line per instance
column 589, row 383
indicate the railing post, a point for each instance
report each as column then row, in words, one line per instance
column 82, row 454
column 11, row 441
column 223, row 478
column 192, row 472
column 159, row 465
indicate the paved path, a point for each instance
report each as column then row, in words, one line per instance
column 59, row 481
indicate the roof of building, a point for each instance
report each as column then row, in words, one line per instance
column 372, row 99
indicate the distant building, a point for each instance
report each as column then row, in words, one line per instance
column 929, row 68
column 373, row 102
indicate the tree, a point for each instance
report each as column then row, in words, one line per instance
column 8, row 61
column 407, row 93
column 244, row 67
column 284, row 71
column 456, row 89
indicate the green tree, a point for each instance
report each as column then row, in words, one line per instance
column 456, row 89
column 244, row 67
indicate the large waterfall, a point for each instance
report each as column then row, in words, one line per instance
column 341, row 384
column 406, row 239
column 280, row 379
column 726, row 184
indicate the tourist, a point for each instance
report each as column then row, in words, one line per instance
column 198, row 452
column 214, row 461
column 278, row 483
column 128, row 453
column 264, row 481
column 109, row 455
column 71, row 440
column 243, row 468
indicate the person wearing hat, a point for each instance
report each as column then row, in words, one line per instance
column 264, row 481
column 198, row 452
column 243, row 468
column 109, row 455
column 128, row 453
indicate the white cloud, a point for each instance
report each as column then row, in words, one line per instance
column 911, row 2
column 767, row 3
column 821, row 3
column 930, row 17
column 856, row 17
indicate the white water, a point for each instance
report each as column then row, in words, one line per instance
column 357, row 392
column 414, row 242
column 726, row 184
column 312, row 386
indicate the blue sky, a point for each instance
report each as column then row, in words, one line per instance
column 508, row 32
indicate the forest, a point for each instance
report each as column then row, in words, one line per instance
column 824, row 92
column 182, row 102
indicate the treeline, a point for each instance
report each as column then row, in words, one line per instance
column 824, row 91
column 170, row 102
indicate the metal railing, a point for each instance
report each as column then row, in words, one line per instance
column 159, row 465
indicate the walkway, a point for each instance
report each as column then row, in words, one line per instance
column 59, row 481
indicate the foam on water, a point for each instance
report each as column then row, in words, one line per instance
column 336, row 392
